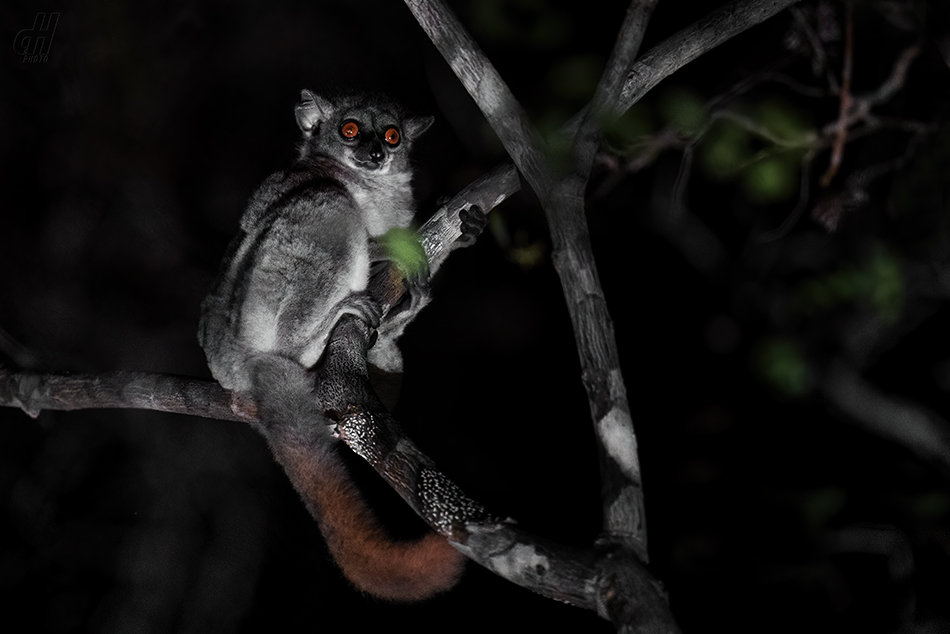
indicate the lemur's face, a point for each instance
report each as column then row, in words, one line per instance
column 360, row 132
column 367, row 140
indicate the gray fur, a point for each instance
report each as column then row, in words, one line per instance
column 302, row 258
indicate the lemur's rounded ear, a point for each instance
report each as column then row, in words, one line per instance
column 415, row 126
column 311, row 110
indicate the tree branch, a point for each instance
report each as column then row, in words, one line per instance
column 588, row 137
column 496, row 101
column 624, row 517
column 563, row 202
column 440, row 233
column 656, row 65
column 33, row 392
column 845, row 99
column 604, row 578
column 898, row 420
column 585, row 578
column 675, row 52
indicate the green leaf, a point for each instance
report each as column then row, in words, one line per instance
column 403, row 248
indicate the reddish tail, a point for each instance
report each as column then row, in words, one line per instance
column 369, row 558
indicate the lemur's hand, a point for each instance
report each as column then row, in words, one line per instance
column 472, row 222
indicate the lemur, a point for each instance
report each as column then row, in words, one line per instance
column 302, row 259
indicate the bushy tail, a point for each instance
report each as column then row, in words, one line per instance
column 296, row 431
column 369, row 558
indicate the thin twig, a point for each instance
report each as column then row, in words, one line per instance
column 895, row 81
column 763, row 132
column 818, row 49
column 791, row 84
column 607, row 93
column 803, row 196
column 845, row 107
column 682, row 178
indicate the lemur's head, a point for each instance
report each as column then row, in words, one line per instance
column 366, row 132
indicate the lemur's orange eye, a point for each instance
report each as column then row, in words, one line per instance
column 349, row 130
column 391, row 136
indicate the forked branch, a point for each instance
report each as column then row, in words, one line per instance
column 610, row 577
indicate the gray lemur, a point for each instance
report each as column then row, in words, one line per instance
column 302, row 260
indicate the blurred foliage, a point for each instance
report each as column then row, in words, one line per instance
column 782, row 364
column 761, row 145
column 770, row 179
column 883, row 285
column 522, row 249
column 877, row 284
column 527, row 254
column 783, row 123
column 725, row 149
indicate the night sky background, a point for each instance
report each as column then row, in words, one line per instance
column 127, row 157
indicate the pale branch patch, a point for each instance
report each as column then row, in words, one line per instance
column 603, row 578
column 624, row 517
column 439, row 235
column 562, row 197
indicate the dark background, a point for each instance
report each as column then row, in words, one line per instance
column 127, row 157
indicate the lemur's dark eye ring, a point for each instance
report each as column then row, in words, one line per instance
column 349, row 130
column 391, row 136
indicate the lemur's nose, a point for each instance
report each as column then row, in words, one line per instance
column 376, row 151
